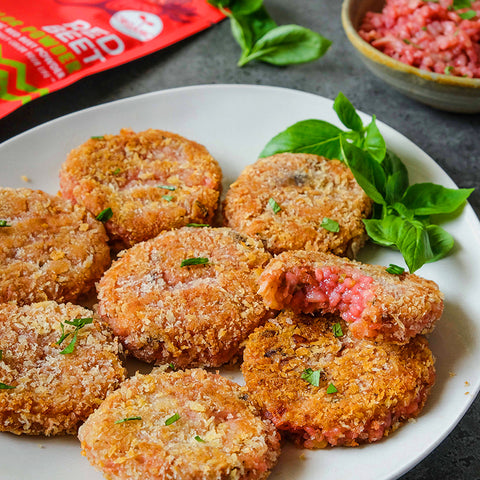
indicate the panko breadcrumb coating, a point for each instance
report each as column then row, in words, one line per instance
column 353, row 391
column 152, row 181
column 53, row 392
column 307, row 189
column 375, row 303
column 194, row 315
column 189, row 425
column 49, row 249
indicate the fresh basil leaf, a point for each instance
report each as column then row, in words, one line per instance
column 397, row 177
column 431, row 199
column 311, row 376
column 367, row 172
column 308, row 136
column 4, row 386
column 247, row 29
column 384, row 231
column 330, row 225
column 331, row 388
column 458, row 4
column 70, row 347
column 402, row 210
column 346, row 113
column 441, row 242
column 245, row 7
column 287, row 45
column 194, row 261
column 395, row 269
column 374, row 142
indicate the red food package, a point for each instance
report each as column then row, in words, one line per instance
column 46, row 45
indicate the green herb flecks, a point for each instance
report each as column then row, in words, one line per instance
column 331, row 388
column 4, row 223
column 260, row 38
column 199, row 439
column 448, row 70
column 172, row 366
column 395, row 269
column 172, row 419
column 168, row 198
column 402, row 213
column 116, row 171
column 4, row 386
column 468, row 15
column 460, row 4
column 311, row 376
column 194, row 261
column 105, row 215
column 337, row 330
column 128, row 419
column 274, row 206
column 167, row 187
column 330, row 225
column 98, row 137
column 78, row 323
column 1, row 354
column 197, row 225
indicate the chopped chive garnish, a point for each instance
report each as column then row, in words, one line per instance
column 194, row 261
column 197, row 225
column 274, row 206
column 98, row 137
column 168, row 198
column 199, row 439
column 172, row 419
column 407, row 41
column 331, row 388
column 330, row 225
column 78, row 323
column 128, row 419
column 395, row 269
column 312, row 376
column 448, row 70
column 172, row 366
column 468, row 15
column 337, row 330
column 105, row 215
column 4, row 386
column 116, row 171
column 167, row 187
column 4, row 223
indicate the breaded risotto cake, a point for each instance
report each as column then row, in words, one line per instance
column 57, row 363
column 144, row 182
column 296, row 201
column 375, row 303
column 189, row 425
column 188, row 296
column 321, row 386
column 49, row 249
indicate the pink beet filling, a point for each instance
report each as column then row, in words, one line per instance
column 330, row 289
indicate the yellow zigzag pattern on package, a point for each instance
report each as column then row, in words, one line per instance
column 20, row 83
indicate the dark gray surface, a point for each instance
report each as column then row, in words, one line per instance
column 210, row 57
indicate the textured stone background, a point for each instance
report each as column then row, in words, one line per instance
column 210, row 57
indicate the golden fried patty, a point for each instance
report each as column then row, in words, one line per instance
column 49, row 249
column 321, row 386
column 45, row 391
column 375, row 303
column 152, row 181
column 189, row 425
column 192, row 315
column 284, row 200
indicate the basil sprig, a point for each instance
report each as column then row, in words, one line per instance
column 401, row 213
column 260, row 38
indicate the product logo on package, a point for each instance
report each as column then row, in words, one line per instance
column 143, row 26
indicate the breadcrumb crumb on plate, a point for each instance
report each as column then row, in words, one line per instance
column 52, row 392
column 189, row 425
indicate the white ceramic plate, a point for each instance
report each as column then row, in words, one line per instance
column 234, row 122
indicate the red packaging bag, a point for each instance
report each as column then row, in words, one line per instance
column 46, row 45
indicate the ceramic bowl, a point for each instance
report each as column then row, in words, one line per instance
column 445, row 92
